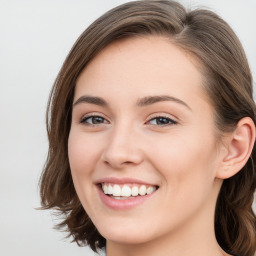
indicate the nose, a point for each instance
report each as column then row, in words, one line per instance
column 122, row 149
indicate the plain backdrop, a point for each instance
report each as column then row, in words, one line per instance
column 35, row 37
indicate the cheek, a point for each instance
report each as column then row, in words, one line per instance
column 187, row 169
column 83, row 153
column 185, row 161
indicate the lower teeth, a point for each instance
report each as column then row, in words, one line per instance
column 122, row 197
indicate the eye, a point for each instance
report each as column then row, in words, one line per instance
column 93, row 120
column 161, row 121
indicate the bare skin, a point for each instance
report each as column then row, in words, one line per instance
column 169, row 142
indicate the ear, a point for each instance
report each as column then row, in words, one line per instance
column 239, row 145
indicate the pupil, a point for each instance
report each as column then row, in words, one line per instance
column 97, row 120
column 162, row 120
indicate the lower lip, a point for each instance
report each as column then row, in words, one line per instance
column 125, row 204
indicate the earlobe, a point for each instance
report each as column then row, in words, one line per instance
column 239, row 146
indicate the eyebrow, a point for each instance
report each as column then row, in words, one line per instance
column 92, row 100
column 154, row 99
column 145, row 101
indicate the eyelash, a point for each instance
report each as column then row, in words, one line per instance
column 157, row 118
column 163, row 117
column 85, row 119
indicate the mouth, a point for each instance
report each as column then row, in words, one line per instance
column 126, row 191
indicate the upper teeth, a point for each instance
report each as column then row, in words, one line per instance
column 127, row 190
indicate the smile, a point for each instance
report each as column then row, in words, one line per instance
column 126, row 191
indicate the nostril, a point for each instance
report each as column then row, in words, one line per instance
column 117, row 165
column 127, row 162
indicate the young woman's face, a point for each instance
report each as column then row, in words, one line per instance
column 143, row 130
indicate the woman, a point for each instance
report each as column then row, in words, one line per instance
column 151, row 126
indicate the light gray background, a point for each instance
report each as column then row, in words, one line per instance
column 35, row 37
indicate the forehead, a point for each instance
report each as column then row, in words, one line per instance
column 142, row 65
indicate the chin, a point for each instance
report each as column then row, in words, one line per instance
column 124, row 233
column 125, row 237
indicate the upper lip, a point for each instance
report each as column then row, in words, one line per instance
column 125, row 180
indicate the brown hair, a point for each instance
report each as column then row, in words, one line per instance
column 228, row 83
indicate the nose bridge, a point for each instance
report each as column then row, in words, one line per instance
column 122, row 148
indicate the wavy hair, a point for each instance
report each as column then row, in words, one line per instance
column 228, row 83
